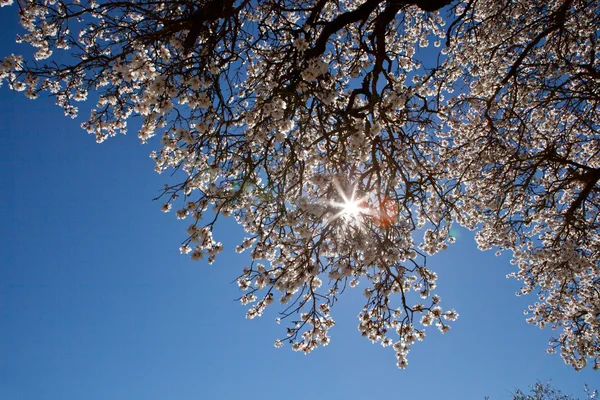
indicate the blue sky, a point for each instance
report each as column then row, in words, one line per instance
column 97, row 303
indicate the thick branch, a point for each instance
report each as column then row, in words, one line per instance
column 361, row 14
column 590, row 178
column 380, row 32
column 209, row 11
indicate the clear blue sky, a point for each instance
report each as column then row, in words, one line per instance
column 97, row 303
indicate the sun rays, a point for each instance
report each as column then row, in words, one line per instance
column 351, row 208
column 358, row 210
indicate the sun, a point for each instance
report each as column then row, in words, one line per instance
column 351, row 208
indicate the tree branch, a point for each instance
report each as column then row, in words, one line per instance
column 362, row 13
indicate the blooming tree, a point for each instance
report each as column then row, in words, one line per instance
column 346, row 137
column 545, row 391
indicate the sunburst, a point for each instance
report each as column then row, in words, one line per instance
column 351, row 208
